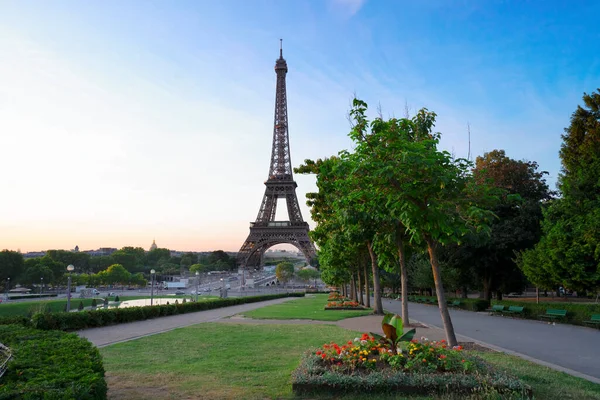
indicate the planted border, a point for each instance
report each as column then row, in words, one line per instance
column 92, row 319
column 51, row 365
column 576, row 312
column 312, row 378
column 465, row 304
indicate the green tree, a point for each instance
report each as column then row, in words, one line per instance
column 198, row 268
column 131, row 258
column 284, row 272
column 11, row 265
column 117, row 274
column 308, row 274
column 427, row 190
column 521, row 192
column 34, row 273
column 153, row 256
column 569, row 252
column 188, row 259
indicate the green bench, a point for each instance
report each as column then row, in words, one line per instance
column 455, row 303
column 496, row 309
column 431, row 301
column 594, row 321
column 553, row 314
column 514, row 310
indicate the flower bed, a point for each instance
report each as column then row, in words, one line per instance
column 344, row 305
column 369, row 365
column 335, row 296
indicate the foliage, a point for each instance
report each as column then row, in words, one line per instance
column 51, row 365
column 218, row 261
column 284, row 271
column 569, row 252
column 490, row 258
column 343, row 304
column 96, row 318
column 393, row 328
column 465, row 304
column 11, row 265
column 307, row 274
column 576, row 312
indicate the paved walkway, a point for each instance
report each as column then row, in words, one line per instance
column 108, row 335
column 574, row 348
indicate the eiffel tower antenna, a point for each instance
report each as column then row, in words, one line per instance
column 265, row 232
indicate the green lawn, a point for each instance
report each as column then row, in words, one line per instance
column 29, row 307
column 247, row 361
column 309, row 307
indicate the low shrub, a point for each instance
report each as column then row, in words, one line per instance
column 96, row 318
column 465, row 304
column 15, row 320
column 29, row 296
column 51, row 365
column 576, row 312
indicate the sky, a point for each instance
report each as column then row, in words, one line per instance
column 127, row 121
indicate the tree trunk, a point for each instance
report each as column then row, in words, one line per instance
column 487, row 288
column 361, row 300
column 376, row 285
column 537, row 295
column 464, row 292
column 354, row 297
column 367, row 295
column 403, row 279
column 441, row 296
column 498, row 295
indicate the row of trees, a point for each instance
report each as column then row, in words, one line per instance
column 397, row 205
column 285, row 272
column 51, row 268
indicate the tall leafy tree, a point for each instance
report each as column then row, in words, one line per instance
column 427, row 190
column 11, row 265
column 569, row 252
column 521, row 190
column 284, row 271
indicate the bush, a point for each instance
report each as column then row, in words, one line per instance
column 96, row 318
column 465, row 304
column 117, row 298
column 51, row 365
column 576, row 312
column 15, row 320
column 94, row 303
column 80, row 306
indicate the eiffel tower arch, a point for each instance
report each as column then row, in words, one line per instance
column 266, row 232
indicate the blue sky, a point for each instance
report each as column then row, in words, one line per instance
column 124, row 121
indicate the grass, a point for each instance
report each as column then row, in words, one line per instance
column 29, row 307
column 309, row 307
column 248, row 361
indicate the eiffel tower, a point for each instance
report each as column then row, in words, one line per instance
column 265, row 232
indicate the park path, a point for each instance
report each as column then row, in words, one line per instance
column 108, row 335
column 575, row 349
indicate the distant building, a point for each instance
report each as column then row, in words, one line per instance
column 76, row 249
column 153, row 246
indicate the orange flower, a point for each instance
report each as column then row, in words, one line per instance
column 424, row 360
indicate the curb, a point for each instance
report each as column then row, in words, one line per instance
column 521, row 355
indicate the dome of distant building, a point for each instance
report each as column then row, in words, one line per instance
column 153, row 246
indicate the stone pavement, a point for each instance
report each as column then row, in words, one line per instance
column 108, row 335
column 569, row 348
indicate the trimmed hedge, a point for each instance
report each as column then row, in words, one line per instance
column 465, row 304
column 92, row 319
column 312, row 378
column 15, row 320
column 576, row 312
column 51, row 365
column 30, row 296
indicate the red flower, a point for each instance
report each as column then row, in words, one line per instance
column 323, row 356
column 319, row 352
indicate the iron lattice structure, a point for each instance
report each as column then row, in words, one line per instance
column 265, row 232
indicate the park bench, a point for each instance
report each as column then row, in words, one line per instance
column 455, row 303
column 514, row 310
column 552, row 314
column 431, row 301
column 595, row 320
column 495, row 309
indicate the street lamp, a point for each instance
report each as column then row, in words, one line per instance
column 41, row 286
column 197, row 281
column 70, row 268
column 152, row 272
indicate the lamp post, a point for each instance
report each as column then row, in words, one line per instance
column 41, row 286
column 197, row 282
column 152, row 272
column 70, row 268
